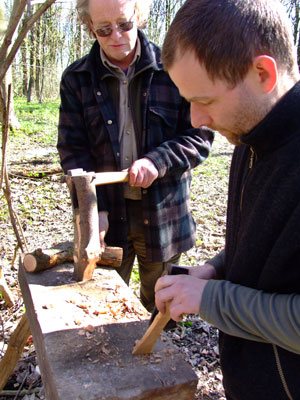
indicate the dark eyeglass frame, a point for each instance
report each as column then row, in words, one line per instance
column 106, row 31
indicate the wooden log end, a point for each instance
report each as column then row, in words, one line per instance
column 30, row 262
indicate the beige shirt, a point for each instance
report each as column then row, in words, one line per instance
column 127, row 139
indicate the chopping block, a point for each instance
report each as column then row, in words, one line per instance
column 84, row 333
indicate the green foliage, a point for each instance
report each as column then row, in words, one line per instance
column 38, row 121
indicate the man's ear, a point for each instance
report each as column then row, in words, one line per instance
column 265, row 69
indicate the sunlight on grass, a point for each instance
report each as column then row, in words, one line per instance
column 38, row 121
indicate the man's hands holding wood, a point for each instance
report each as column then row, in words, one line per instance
column 142, row 173
column 183, row 292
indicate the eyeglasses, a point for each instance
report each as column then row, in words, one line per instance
column 108, row 30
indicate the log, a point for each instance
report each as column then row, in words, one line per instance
column 147, row 343
column 14, row 350
column 84, row 333
column 40, row 259
column 85, row 221
column 82, row 186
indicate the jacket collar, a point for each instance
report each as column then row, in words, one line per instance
column 150, row 58
column 278, row 127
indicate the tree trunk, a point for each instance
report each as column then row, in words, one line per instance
column 13, row 121
column 24, row 67
column 37, row 46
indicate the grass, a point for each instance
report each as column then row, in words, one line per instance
column 38, row 121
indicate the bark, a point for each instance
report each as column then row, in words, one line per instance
column 14, row 350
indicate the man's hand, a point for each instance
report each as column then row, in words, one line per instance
column 103, row 228
column 184, row 292
column 142, row 173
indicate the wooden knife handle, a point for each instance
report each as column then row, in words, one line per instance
column 147, row 343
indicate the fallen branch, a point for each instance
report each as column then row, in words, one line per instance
column 14, row 350
column 23, row 392
column 40, row 259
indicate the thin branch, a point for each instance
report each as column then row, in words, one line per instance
column 15, row 47
column 16, row 15
column 5, row 128
column 4, row 181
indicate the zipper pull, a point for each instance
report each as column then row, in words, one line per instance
column 251, row 158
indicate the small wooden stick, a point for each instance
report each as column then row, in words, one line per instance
column 102, row 178
column 147, row 343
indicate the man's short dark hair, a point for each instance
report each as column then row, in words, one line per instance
column 226, row 35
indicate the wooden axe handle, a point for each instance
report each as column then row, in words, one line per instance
column 102, row 178
column 147, row 343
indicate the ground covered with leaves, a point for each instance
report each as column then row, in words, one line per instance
column 41, row 202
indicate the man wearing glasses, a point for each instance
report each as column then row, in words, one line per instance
column 120, row 110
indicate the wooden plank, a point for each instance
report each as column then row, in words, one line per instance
column 84, row 333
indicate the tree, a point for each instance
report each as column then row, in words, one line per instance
column 13, row 121
column 161, row 15
column 293, row 8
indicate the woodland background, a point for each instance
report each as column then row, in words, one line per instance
column 38, row 39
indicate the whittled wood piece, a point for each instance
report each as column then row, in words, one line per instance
column 147, row 343
column 40, row 259
column 14, row 350
column 102, row 178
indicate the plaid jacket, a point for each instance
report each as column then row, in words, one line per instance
column 88, row 139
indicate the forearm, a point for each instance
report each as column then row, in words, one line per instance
column 252, row 314
column 218, row 262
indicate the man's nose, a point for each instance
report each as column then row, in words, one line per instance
column 116, row 34
column 199, row 117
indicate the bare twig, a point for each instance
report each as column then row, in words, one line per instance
column 4, row 181
column 22, row 393
column 5, row 128
column 21, row 386
column 4, row 289
column 15, row 254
